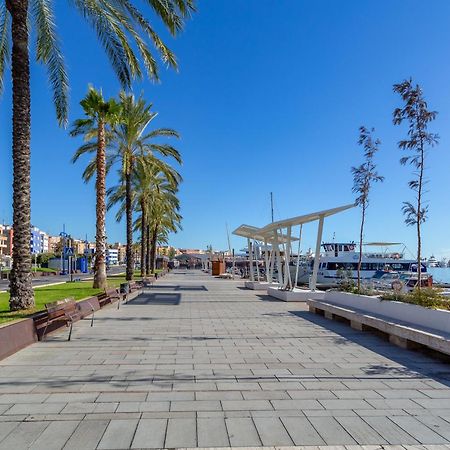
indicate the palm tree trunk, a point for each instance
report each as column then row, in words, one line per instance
column 100, row 237
column 153, row 249
column 129, row 218
column 21, row 292
column 143, row 239
column 147, row 256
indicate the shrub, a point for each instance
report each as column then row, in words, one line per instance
column 426, row 297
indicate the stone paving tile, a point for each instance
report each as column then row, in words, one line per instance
column 266, row 395
column 272, row 431
column 331, row 431
column 360, row 431
column 118, row 434
column 221, row 395
column 181, row 433
column 150, row 433
column 36, row 408
column 87, row 435
column 55, row 436
column 125, row 407
column 390, row 431
column 233, row 405
column 354, row 394
column 242, row 432
column 437, row 424
column 296, row 404
column 196, row 405
column 221, row 367
column 6, row 428
column 301, row 431
column 212, row 432
column 23, row 435
column 418, row 430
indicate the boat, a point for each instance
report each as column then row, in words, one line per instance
column 339, row 261
column 399, row 281
column 432, row 262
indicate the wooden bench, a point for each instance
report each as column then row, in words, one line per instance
column 400, row 333
column 65, row 311
column 134, row 286
column 148, row 281
column 108, row 296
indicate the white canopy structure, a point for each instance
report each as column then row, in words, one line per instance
column 279, row 235
column 254, row 234
column 279, row 226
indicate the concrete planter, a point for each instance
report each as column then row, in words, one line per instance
column 297, row 295
column 259, row 285
column 436, row 319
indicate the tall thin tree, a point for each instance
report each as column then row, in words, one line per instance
column 123, row 31
column 100, row 114
column 364, row 176
column 416, row 113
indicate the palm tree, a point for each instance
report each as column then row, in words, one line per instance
column 164, row 218
column 115, row 23
column 128, row 142
column 148, row 173
column 100, row 114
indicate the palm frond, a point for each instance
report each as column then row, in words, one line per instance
column 105, row 25
column 48, row 52
column 166, row 54
column 167, row 150
column 90, row 147
column 90, row 170
column 166, row 132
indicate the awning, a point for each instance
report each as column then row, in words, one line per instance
column 299, row 220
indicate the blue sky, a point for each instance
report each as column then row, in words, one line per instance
column 269, row 97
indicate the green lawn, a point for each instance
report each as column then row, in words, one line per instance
column 46, row 294
column 37, row 269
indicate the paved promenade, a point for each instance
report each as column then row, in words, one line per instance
column 201, row 362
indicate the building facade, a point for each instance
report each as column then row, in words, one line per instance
column 3, row 240
column 35, row 241
column 112, row 256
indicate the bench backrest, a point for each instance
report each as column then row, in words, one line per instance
column 112, row 292
column 61, row 307
column 102, row 296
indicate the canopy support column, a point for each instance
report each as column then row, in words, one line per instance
column 266, row 259
column 313, row 282
column 271, row 262
column 278, row 258
column 256, row 260
column 250, row 258
column 287, row 258
column 298, row 255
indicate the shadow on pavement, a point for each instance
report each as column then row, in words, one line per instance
column 415, row 364
column 157, row 298
column 177, row 287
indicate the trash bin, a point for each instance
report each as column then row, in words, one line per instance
column 124, row 288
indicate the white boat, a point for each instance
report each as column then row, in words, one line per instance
column 432, row 262
column 400, row 281
column 339, row 261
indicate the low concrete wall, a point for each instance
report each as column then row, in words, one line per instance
column 436, row 319
column 259, row 285
column 297, row 295
column 16, row 336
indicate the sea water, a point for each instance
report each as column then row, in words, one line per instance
column 440, row 274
